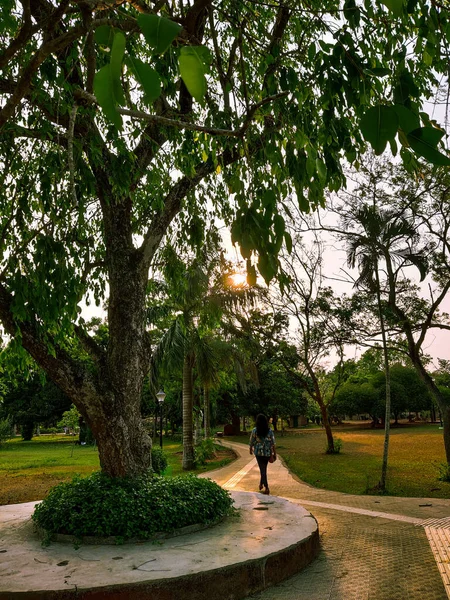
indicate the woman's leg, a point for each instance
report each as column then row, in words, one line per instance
column 263, row 461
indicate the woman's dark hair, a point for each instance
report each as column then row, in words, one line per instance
column 262, row 426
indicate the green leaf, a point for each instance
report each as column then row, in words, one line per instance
column 379, row 124
column 104, row 35
column 158, row 31
column 303, row 202
column 279, row 225
column 269, row 198
column 378, row 72
column 148, row 78
column 407, row 119
column 288, row 241
column 395, row 6
column 424, row 141
column 117, row 52
column 104, row 92
column 266, row 267
column 251, row 274
column 321, row 169
column 192, row 70
column 394, row 147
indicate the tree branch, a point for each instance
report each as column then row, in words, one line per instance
column 179, row 191
column 90, row 345
column 25, row 81
column 238, row 133
column 62, row 369
column 26, row 31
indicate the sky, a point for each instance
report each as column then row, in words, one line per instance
column 437, row 342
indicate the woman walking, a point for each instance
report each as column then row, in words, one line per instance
column 262, row 445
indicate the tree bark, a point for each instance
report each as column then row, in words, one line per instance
column 326, row 424
column 442, row 404
column 123, row 444
column 207, row 412
column 188, row 404
column 387, row 418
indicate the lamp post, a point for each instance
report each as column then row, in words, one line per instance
column 160, row 396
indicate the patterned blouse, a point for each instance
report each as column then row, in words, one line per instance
column 262, row 447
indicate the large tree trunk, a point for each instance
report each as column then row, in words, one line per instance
column 326, row 424
column 188, row 404
column 441, row 402
column 124, row 446
column 107, row 391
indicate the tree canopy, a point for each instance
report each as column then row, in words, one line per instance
column 123, row 123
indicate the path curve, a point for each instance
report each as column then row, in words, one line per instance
column 373, row 547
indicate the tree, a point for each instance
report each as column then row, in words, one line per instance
column 196, row 297
column 424, row 210
column 122, row 120
column 387, row 241
column 320, row 321
column 358, row 397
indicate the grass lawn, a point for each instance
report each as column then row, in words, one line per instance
column 29, row 469
column 414, row 456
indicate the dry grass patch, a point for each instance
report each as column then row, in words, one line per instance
column 28, row 470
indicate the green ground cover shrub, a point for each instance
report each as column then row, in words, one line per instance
column 159, row 460
column 127, row 508
column 204, row 451
column 6, row 430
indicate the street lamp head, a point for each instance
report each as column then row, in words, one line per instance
column 160, row 396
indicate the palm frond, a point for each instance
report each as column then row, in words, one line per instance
column 169, row 351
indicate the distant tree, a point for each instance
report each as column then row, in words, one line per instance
column 33, row 401
column 442, row 374
column 423, row 208
column 385, row 241
column 318, row 319
column 6, row 430
column 358, row 398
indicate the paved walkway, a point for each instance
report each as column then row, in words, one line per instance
column 373, row 547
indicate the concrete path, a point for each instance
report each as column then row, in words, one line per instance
column 373, row 547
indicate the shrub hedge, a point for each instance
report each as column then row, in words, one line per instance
column 99, row 505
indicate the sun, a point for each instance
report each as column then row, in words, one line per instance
column 237, row 280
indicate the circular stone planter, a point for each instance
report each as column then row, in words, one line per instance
column 93, row 540
column 271, row 540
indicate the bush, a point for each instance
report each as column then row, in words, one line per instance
column 159, row 460
column 52, row 430
column 6, row 430
column 99, row 505
column 204, row 451
column 337, row 447
column 27, row 431
column 444, row 472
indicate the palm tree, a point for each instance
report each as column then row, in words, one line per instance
column 386, row 240
column 196, row 299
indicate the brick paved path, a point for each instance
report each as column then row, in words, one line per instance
column 373, row 547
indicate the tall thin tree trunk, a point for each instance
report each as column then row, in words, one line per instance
column 327, row 426
column 387, row 373
column 207, row 411
column 188, row 404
